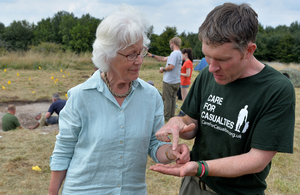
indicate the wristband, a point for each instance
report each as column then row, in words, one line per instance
column 152, row 55
column 199, row 169
column 202, row 169
column 164, row 69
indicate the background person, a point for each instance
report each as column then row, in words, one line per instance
column 9, row 121
column 41, row 121
column 56, row 106
column 171, row 78
column 104, row 135
column 186, row 74
column 224, row 160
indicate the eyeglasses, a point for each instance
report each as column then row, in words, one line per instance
column 133, row 56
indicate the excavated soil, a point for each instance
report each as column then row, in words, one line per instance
column 25, row 112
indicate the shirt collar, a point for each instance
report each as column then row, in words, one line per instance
column 95, row 82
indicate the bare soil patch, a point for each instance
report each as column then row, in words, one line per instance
column 25, row 112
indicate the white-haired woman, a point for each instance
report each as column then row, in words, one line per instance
column 108, row 125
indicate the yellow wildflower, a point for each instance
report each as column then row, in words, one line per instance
column 9, row 82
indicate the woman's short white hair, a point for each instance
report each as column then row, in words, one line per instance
column 116, row 32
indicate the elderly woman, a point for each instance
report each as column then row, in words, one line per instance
column 108, row 125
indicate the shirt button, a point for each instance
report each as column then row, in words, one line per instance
column 120, row 156
column 122, row 111
column 121, row 142
column 122, row 126
column 119, row 186
column 119, row 171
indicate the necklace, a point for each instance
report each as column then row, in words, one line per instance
column 114, row 94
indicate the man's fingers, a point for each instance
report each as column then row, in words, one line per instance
column 163, row 137
column 175, row 134
column 188, row 128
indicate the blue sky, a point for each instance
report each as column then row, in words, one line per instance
column 186, row 15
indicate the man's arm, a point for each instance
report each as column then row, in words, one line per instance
column 47, row 115
column 168, row 68
column 35, row 126
column 159, row 58
column 251, row 162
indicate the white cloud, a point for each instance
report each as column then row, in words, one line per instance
column 186, row 15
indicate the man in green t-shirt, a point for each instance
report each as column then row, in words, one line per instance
column 9, row 121
column 240, row 111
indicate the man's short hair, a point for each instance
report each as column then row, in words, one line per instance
column 56, row 96
column 176, row 41
column 230, row 23
column 11, row 107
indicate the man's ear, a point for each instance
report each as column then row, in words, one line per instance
column 250, row 50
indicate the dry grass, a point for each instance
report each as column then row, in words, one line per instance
column 20, row 150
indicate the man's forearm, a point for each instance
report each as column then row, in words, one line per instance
column 160, row 58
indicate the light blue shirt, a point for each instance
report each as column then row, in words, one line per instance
column 104, row 146
column 173, row 76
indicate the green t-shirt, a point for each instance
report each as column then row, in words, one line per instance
column 9, row 122
column 253, row 112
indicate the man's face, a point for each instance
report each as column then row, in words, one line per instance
column 38, row 117
column 172, row 46
column 226, row 63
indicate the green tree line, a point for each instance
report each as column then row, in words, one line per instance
column 66, row 32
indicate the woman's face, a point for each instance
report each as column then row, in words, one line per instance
column 126, row 70
column 184, row 56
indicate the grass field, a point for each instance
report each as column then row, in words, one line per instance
column 21, row 150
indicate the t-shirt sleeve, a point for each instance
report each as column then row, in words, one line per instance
column 172, row 59
column 275, row 129
column 51, row 108
column 16, row 122
column 189, row 65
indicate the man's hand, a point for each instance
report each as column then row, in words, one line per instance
column 161, row 70
column 179, row 170
column 182, row 153
column 174, row 126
